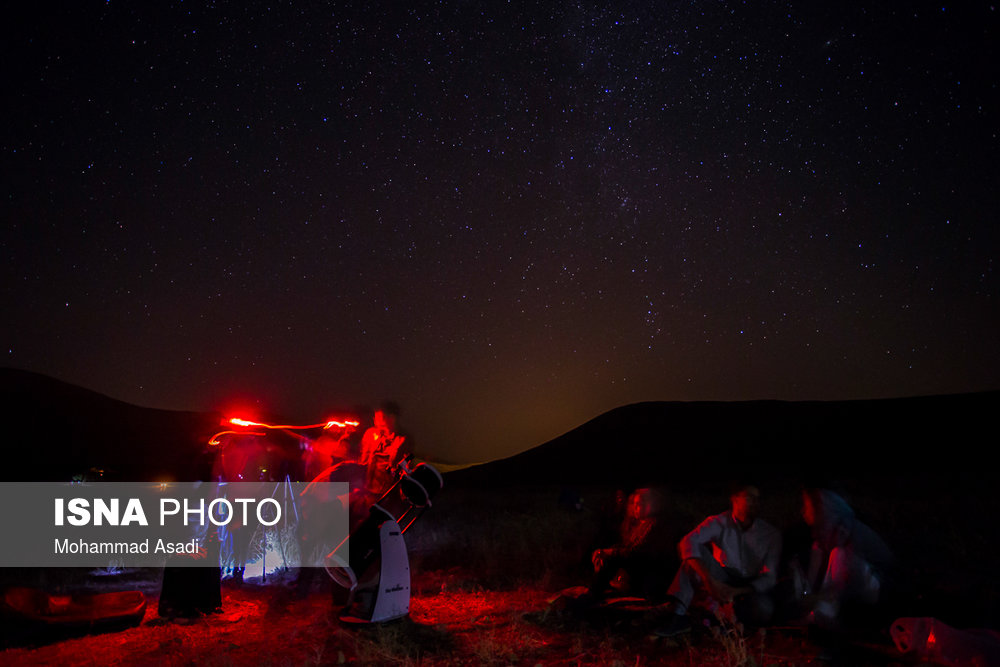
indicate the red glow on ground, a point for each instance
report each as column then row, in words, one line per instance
column 266, row 624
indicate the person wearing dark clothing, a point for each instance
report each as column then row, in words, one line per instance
column 382, row 449
column 634, row 564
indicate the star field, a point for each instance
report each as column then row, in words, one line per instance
column 509, row 217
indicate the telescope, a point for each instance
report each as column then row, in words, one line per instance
column 377, row 572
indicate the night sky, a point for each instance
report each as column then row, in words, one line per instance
column 509, row 217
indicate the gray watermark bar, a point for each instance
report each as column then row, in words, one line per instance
column 192, row 524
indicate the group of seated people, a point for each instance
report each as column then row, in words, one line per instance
column 731, row 564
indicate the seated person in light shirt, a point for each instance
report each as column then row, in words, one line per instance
column 729, row 558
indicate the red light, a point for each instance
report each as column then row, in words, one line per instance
column 236, row 421
column 214, row 440
column 332, row 423
column 293, row 427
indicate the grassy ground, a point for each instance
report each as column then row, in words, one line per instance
column 270, row 625
column 486, row 564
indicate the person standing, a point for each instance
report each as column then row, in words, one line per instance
column 382, row 449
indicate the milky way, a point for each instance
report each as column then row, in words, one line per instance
column 508, row 217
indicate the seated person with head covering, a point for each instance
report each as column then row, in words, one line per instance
column 848, row 561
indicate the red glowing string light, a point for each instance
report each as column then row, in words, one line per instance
column 325, row 425
column 332, row 423
column 236, row 421
column 214, row 440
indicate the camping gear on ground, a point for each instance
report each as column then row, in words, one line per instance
column 190, row 591
column 192, row 583
column 931, row 640
column 377, row 571
column 90, row 612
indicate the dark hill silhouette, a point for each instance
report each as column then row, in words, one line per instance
column 54, row 430
column 785, row 443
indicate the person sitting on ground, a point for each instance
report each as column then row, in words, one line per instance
column 608, row 517
column 728, row 565
column 848, row 561
column 632, row 564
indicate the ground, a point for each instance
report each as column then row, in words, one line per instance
column 485, row 565
column 449, row 624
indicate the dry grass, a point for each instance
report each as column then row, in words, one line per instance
column 484, row 567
